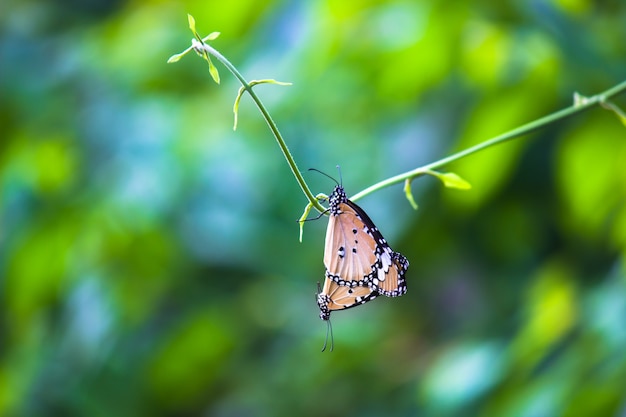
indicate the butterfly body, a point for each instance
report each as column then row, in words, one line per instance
column 359, row 263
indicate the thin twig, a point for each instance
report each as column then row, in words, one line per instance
column 580, row 105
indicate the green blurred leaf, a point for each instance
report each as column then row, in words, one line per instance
column 491, row 168
column 37, row 273
column 551, row 312
column 590, row 161
column 191, row 358
column 486, row 52
column 458, row 376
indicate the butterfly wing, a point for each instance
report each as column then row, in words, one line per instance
column 350, row 250
column 388, row 272
column 389, row 279
column 356, row 254
column 337, row 297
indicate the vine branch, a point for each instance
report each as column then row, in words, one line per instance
column 201, row 47
column 272, row 125
column 451, row 180
column 581, row 104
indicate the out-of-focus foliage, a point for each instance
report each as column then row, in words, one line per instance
column 149, row 255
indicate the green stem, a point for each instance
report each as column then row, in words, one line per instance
column 271, row 124
column 581, row 104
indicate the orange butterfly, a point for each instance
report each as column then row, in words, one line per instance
column 360, row 265
column 357, row 254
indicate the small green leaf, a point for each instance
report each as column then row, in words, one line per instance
column 451, row 180
column 267, row 81
column 302, row 219
column 236, row 106
column 192, row 23
column 212, row 36
column 213, row 70
column 409, row 194
column 176, row 58
column 307, row 210
column 243, row 89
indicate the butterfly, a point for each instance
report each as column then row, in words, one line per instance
column 356, row 254
column 360, row 264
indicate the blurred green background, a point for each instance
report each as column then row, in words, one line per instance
column 149, row 255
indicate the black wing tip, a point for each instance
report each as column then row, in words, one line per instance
column 401, row 259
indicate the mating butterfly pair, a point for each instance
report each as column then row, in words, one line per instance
column 360, row 265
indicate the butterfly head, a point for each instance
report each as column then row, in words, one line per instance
column 337, row 197
column 322, row 302
column 324, row 314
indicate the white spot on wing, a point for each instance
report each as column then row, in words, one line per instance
column 381, row 275
column 385, row 260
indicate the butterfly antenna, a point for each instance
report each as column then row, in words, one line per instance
column 340, row 178
column 332, row 338
column 329, row 330
column 324, row 174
